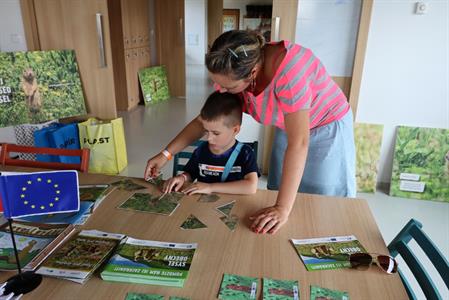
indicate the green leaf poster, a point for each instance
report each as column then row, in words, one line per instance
column 421, row 164
column 368, row 139
column 154, row 84
column 38, row 86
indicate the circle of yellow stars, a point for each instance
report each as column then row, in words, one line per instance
column 54, row 199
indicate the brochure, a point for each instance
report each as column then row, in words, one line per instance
column 150, row 262
column 274, row 289
column 80, row 256
column 235, row 287
column 76, row 218
column 34, row 243
column 94, row 193
column 327, row 253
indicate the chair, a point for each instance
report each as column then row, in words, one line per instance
column 399, row 246
column 187, row 154
column 6, row 160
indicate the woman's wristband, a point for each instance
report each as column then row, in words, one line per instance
column 167, row 154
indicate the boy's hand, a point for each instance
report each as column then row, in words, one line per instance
column 174, row 183
column 269, row 219
column 198, row 188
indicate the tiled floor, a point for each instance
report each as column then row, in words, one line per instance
column 149, row 129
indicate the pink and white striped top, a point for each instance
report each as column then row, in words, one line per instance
column 300, row 83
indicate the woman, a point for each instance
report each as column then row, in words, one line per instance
column 285, row 85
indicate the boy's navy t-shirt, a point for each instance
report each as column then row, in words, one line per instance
column 208, row 167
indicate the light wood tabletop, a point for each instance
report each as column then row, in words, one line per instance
column 241, row 252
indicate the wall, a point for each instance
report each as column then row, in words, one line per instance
column 12, row 38
column 195, row 31
column 405, row 78
column 241, row 4
column 329, row 29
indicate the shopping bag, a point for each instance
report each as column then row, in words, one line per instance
column 61, row 136
column 106, row 141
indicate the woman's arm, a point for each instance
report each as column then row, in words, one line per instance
column 247, row 185
column 270, row 219
column 192, row 132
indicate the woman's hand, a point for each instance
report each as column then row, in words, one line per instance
column 173, row 184
column 154, row 166
column 198, row 188
column 269, row 219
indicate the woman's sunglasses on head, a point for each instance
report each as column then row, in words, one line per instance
column 363, row 261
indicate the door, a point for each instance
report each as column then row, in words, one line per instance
column 170, row 39
column 69, row 24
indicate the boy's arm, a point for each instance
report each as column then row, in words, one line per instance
column 248, row 185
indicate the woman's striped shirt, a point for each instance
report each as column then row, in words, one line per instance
column 300, row 83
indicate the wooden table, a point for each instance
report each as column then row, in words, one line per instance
column 241, row 252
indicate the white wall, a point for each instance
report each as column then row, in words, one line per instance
column 329, row 29
column 405, row 78
column 12, row 38
column 195, row 31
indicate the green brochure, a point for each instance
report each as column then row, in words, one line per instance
column 235, row 287
column 280, row 289
column 154, row 84
column 327, row 253
column 192, row 222
column 139, row 296
column 319, row 293
column 150, row 262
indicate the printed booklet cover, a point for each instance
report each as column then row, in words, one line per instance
column 150, row 262
column 34, row 243
column 319, row 293
column 80, row 256
column 94, row 193
column 327, row 253
column 76, row 218
column 235, row 287
column 274, row 289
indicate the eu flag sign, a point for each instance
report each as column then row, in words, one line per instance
column 40, row 193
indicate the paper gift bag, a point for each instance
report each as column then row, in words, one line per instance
column 61, row 136
column 106, row 141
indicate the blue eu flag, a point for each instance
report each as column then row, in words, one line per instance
column 40, row 193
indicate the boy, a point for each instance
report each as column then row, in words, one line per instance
column 221, row 164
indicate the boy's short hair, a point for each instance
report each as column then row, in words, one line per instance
column 226, row 105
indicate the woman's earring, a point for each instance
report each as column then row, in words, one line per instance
column 253, row 84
